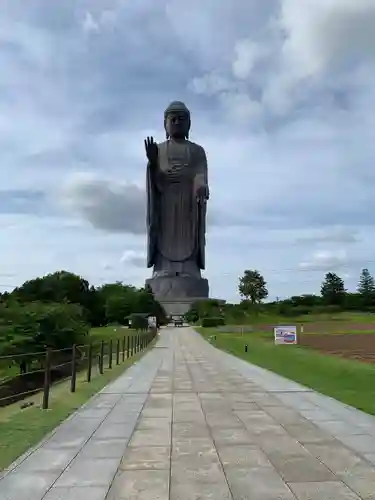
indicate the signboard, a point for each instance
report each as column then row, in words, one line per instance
column 285, row 334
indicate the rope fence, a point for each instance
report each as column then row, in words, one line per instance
column 68, row 363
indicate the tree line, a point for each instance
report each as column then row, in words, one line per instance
column 59, row 309
column 253, row 290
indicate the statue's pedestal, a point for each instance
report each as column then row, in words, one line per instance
column 177, row 293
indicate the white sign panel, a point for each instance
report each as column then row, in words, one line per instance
column 285, row 334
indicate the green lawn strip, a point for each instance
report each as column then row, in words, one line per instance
column 96, row 335
column 349, row 381
column 107, row 333
column 22, row 429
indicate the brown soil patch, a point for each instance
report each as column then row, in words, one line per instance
column 325, row 326
column 352, row 346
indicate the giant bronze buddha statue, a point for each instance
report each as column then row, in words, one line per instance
column 177, row 194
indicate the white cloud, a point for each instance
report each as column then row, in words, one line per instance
column 335, row 235
column 89, row 25
column 137, row 259
column 325, row 260
column 107, row 205
column 322, row 35
column 247, row 54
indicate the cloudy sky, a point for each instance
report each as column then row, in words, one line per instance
column 282, row 96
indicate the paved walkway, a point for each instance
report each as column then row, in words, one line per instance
column 188, row 422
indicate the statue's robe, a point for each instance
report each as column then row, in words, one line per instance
column 176, row 222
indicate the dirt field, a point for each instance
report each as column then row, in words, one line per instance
column 337, row 327
column 352, row 346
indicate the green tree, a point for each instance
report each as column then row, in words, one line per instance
column 253, row 287
column 366, row 287
column 55, row 287
column 333, row 289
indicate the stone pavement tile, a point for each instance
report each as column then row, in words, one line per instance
column 89, row 472
column 150, row 438
column 323, row 491
column 231, row 436
column 340, row 428
column 140, row 485
column 150, row 411
column 197, row 490
column 156, row 424
column 66, row 439
column 286, row 445
column 360, row 443
column 244, row 456
column 122, row 417
column 110, row 430
column 265, row 399
column 284, row 415
column 192, row 472
column 47, row 460
column 194, row 451
column 226, row 420
column 300, row 468
column 152, row 457
column 159, row 400
column 243, row 406
column 103, row 401
column 26, row 486
column 307, row 433
column 361, row 479
column 185, row 430
column 239, row 397
column 256, row 417
column 77, row 493
column 188, row 416
column 104, row 448
column 258, row 483
column 189, row 405
column 100, row 413
column 318, row 414
column 337, row 457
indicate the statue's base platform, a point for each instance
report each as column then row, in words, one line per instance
column 177, row 293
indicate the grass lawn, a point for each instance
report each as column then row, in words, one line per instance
column 96, row 335
column 109, row 332
column 21, row 429
column 267, row 319
column 351, row 382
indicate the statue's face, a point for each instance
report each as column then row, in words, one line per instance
column 177, row 124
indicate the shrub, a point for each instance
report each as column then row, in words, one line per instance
column 211, row 322
column 139, row 321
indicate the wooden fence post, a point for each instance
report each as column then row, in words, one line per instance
column 89, row 366
column 110, row 354
column 47, row 379
column 73, row 378
column 118, row 352
column 101, row 357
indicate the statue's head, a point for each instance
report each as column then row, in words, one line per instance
column 177, row 120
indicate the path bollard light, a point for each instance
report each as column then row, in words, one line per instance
column 246, row 348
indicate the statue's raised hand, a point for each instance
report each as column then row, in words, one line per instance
column 151, row 150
